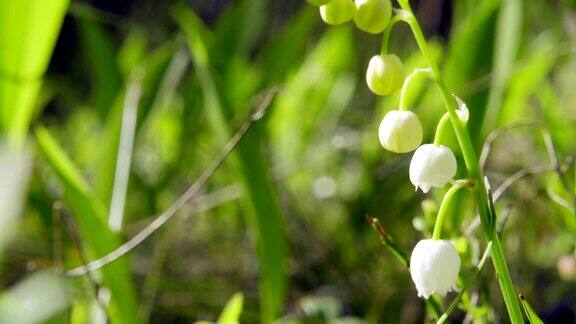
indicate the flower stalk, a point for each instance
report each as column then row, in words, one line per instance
column 473, row 169
column 443, row 210
column 406, row 85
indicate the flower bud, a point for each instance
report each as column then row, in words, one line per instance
column 385, row 74
column 372, row 16
column 318, row 3
column 432, row 166
column 337, row 12
column 434, row 267
column 400, row 131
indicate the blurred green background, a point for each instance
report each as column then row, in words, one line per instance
column 283, row 220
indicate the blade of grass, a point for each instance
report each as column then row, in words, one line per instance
column 91, row 218
column 530, row 313
column 124, row 159
column 465, row 62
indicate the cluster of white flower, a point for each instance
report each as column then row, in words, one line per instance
column 434, row 264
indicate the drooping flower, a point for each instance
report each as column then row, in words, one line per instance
column 434, row 267
column 400, row 131
column 337, row 12
column 432, row 166
column 385, row 74
column 372, row 16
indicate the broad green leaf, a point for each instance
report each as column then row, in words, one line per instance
column 29, row 31
column 531, row 72
column 465, row 63
column 285, row 50
column 238, row 30
column 301, row 108
column 508, row 35
column 91, row 218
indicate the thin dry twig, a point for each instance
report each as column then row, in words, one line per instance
column 555, row 165
column 57, row 234
column 96, row 288
column 494, row 135
column 187, row 196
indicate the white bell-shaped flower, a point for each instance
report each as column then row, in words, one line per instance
column 372, row 16
column 337, row 12
column 434, row 267
column 385, row 74
column 432, row 166
column 400, row 131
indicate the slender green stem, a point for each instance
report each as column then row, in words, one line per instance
column 441, row 129
column 386, row 34
column 474, row 172
column 406, row 85
column 442, row 211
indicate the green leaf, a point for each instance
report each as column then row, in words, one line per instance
column 313, row 96
column 35, row 299
column 465, row 63
column 91, row 218
column 508, row 35
column 286, row 49
column 232, row 310
column 532, row 72
column 99, row 52
column 530, row 313
column 29, row 30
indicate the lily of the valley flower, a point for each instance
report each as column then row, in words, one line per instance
column 385, row 74
column 432, row 166
column 372, row 16
column 337, row 12
column 400, row 131
column 434, row 267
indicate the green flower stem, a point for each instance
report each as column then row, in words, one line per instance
column 406, row 85
column 442, row 211
column 472, row 166
column 441, row 129
column 386, row 34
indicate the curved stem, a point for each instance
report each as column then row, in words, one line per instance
column 386, row 34
column 406, row 85
column 441, row 129
column 473, row 168
column 442, row 211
